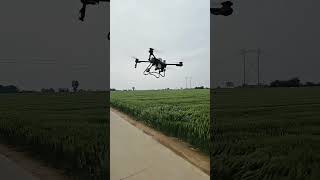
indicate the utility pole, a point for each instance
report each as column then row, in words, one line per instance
column 244, row 52
column 190, row 83
column 258, row 53
column 186, row 82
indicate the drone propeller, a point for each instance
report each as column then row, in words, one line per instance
column 135, row 58
column 136, row 61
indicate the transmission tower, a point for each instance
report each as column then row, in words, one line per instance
column 244, row 53
column 186, row 82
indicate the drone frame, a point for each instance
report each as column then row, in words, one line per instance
column 159, row 64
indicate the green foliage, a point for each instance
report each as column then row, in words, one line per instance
column 267, row 133
column 68, row 131
column 179, row 113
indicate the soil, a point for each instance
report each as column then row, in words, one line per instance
column 36, row 168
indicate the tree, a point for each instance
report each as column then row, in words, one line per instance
column 75, row 85
column 294, row 82
column 229, row 84
column 275, row 83
column 63, row 90
column 51, row 90
column 200, row 87
column 310, row 84
column 9, row 89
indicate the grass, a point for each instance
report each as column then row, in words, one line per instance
column 184, row 114
column 68, row 131
column 267, row 134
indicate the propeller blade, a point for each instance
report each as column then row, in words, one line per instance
column 186, row 60
column 134, row 57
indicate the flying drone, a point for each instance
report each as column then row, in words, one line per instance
column 159, row 65
column 225, row 10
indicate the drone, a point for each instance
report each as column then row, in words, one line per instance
column 159, row 65
column 225, row 10
column 82, row 11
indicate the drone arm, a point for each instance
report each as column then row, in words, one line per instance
column 137, row 61
column 179, row 64
column 82, row 12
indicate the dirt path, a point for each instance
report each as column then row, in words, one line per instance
column 11, row 171
column 139, row 152
column 15, row 164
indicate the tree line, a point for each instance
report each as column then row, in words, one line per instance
column 9, row 89
column 74, row 84
column 293, row 82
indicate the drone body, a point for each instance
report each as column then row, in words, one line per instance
column 158, row 64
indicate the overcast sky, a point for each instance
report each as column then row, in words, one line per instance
column 50, row 30
column 180, row 29
column 287, row 32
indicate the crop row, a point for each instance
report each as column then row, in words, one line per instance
column 178, row 113
column 67, row 132
column 266, row 133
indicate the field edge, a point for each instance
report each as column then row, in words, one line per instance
column 179, row 147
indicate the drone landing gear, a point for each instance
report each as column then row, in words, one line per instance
column 160, row 73
column 158, row 64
